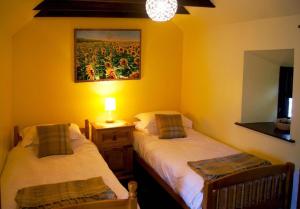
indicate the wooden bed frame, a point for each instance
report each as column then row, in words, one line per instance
column 279, row 197
column 298, row 199
column 130, row 203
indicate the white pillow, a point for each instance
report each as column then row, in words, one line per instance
column 147, row 121
column 139, row 125
column 30, row 137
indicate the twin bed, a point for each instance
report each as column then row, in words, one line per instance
column 166, row 160
column 25, row 169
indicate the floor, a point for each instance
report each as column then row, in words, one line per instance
column 150, row 194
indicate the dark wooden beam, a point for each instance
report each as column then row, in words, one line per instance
column 196, row 3
column 61, row 13
column 182, row 10
column 105, row 8
column 88, row 4
column 98, row 13
column 78, row 5
column 110, row 7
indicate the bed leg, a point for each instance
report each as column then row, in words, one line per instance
column 289, row 185
column 207, row 202
column 87, row 128
column 132, row 187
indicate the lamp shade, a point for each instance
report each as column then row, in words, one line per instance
column 161, row 10
column 110, row 104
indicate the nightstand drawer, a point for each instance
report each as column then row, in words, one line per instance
column 116, row 137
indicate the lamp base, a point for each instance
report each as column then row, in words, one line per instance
column 109, row 121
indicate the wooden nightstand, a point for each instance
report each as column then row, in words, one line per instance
column 114, row 142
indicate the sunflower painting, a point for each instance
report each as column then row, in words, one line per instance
column 107, row 55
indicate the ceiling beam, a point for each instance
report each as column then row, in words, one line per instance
column 106, row 8
column 87, row 4
column 62, row 13
column 99, row 13
column 196, row 3
column 128, row 7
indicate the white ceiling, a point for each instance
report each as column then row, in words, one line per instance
column 231, row 11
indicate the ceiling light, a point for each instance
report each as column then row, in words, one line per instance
column 161, row 10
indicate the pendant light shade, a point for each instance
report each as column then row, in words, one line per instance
column 161, row 10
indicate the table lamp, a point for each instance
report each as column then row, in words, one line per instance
column 110, row 106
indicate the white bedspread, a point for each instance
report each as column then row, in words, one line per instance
column 24, row 169
column 169, row 159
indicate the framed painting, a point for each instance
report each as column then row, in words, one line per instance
column 105, row 54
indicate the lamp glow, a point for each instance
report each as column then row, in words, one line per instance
column 110, row 106
column 161, row 10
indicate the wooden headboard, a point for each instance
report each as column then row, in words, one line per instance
column 85, row 131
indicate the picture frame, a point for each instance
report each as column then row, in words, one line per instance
column 107, row 54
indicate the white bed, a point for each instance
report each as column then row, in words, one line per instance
column 169, row 157
column 24, row 169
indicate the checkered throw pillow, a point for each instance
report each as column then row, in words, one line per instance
column 170, row 126
column 54, row 140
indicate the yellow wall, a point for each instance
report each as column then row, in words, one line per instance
column 14, row 14
column 43, row 72
column 5, row 92
column 213, row 80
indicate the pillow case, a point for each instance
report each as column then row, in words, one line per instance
column 170, row 126
column 54, row 140
column 147, row 121
column 30, row 136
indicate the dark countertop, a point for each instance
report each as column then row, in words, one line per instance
column 269, row 129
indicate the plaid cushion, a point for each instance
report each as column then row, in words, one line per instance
column 54, row 140
column 169, row 126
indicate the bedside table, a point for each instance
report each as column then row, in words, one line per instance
column 114, row 142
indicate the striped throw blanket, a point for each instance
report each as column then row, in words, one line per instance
column 215, row 168
column 64, row 194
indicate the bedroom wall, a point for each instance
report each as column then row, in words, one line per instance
column 14, row 14
column 212, row 82
column 43, row 74
column 260, row 89
column 6, row 94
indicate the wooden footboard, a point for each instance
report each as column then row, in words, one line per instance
column 130, row 203
column 259, row 188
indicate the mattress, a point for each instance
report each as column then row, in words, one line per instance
column 169, row 159
column 24, row 169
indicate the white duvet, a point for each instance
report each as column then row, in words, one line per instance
column 24, row 169
column 169, row 157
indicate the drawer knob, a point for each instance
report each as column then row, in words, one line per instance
column 114, row 137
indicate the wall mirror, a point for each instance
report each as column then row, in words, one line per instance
column 267, row 100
